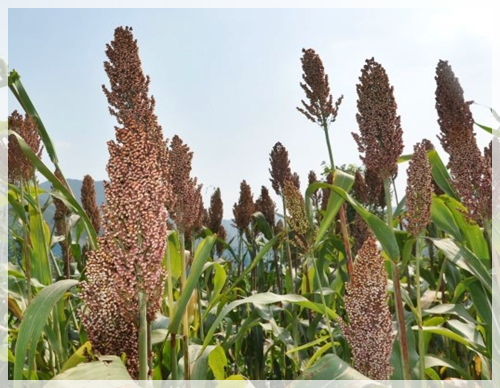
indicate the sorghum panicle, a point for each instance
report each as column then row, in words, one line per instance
column 381, row 137
column 129, row 256
column 369, row 331
column 296, row 213
column 280, row 167
column 419, row 191
column 244, row 209
column 89, row 203
column 320, row 108
column 266, row 206
column 215, row 212
column 470, row 171
column 19, row 165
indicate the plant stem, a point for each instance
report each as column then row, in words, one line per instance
column 403, row 341
column 185, row 318
column 342, row 212
column 330, row 152
column 421, row 348
column 287, row 247
column 26, row 239
column 143, row 337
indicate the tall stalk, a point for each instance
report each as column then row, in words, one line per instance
column 26, row 239
column 342, row 213
column 185, row 318
column 287, row 248
column 403, row 341
column 143, row 337
column 421, row 347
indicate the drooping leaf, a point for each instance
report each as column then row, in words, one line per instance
column 107, row 368
column 34, row 321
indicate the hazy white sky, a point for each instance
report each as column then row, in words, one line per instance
column 227, row 81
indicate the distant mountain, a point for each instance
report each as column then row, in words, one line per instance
column 76, row 187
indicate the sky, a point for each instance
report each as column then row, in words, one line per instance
column 227, row 81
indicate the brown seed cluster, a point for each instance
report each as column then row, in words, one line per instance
column 471, row 172
column 430, row 147
column 89, row 203
column 186, row 202
column 325, row 193
column 215, row 212
column 320, row 108
column 381, row 136
column 494, row 149
column 296, row 213
column 129, row 256
column 244, row 209
column 61, row 227
column 369, row 331
column 316, row 194
column 280, row 167
column 20, row 166
column 222, row 235
column 266, row 206
column 360, row 230
column 419, row 191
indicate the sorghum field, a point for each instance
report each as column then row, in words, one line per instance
column 341, row 279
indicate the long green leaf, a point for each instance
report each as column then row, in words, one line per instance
column 34, row 320
column 330, row 367
column 342, row 180
column 107, row 368
column 21, row 95
column 433, row 361
column 465, row 259
column 70, row 200
column 200, row 258
column 384, row 234
column 263, row 299
column 440, row 174
column 443, row 217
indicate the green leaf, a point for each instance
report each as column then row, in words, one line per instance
column 465, row 259
column 384, row 234
column 69, row 198
column 34, row 321
column 440, row 174
column 78, row 357
column 474, row 238
column 454, row 309
column 342, row 180
column 218, row 361
column 330, row 367
column 107, row 368
column 264, row 299
column 21, row 95
column 39, row 235
column 442, row 216
column 454, row 336
column 262, row 225
column 433, row 361
column 200, row 258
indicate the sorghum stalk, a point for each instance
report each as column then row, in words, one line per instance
column 143, row 338
column 26, row 238
column 322, row 111
column 185, row 318
column 403, row 341
column 421, row 346
column 418, row 209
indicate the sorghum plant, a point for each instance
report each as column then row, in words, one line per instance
column 89, row 203
column 128, row 260
column 369, row 330
column 418, row 213
column 471, row 172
